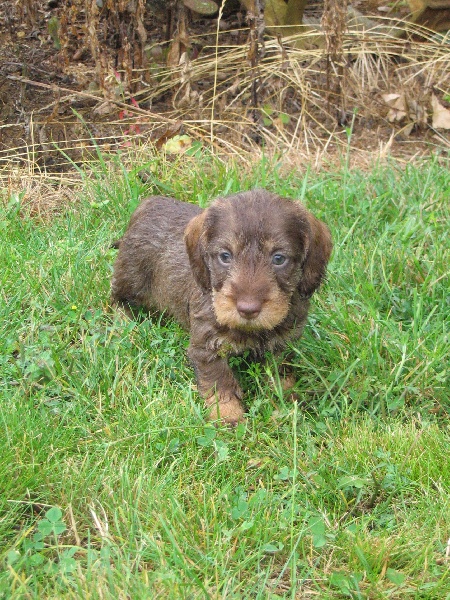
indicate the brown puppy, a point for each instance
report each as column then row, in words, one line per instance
column 238, row 276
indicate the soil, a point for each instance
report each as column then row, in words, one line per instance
column 49, row 96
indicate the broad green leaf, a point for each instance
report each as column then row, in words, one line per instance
column 54, row 514
column 395, row 576
column 12, row 557
column 271, row 548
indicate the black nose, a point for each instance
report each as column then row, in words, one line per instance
column 248, row 309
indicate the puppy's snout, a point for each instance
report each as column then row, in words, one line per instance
column 249, row 308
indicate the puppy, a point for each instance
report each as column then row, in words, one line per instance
column 238, row 275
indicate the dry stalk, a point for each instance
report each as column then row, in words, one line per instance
column 255, row 17
column 334, row 22
column 27, row 11
column 216, row 67
column 117, row 37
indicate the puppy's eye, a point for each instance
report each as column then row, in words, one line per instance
column 279, row 259
column 225, row 257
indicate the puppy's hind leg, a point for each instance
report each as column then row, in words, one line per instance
column 129, row 285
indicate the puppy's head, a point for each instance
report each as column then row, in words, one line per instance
column 252, row 251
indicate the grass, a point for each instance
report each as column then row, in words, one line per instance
column 112, row 484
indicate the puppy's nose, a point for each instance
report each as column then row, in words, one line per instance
column 248, row 309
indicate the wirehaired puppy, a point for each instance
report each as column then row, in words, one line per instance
column 238, row 275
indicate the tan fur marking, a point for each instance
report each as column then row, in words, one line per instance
column 273, row 312
column 226, row 407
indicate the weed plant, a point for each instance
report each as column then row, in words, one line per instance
column 112, row 483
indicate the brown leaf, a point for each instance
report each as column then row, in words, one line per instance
column 441, row 115
column 173, row 56
column 159, row 139
column 397, row 104
column 104, row 108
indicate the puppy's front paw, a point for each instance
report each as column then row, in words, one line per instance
column 225, row 406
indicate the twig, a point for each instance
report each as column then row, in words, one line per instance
column 57, row 88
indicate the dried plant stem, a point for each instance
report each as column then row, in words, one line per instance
column 334, row 21
column 124, row 20
column 256, row 46
column 216, row 68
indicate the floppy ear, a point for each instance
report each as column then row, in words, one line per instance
column 193, row 238
column 317, row 256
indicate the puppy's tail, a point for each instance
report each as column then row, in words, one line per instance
column 116, row 245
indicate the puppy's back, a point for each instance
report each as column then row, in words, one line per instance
column 152, row 267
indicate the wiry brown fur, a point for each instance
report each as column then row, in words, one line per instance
column 216, row 272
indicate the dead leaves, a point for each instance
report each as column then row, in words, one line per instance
column 397, row 107
column 180, row 63
column 441, row 115
column 409, row 112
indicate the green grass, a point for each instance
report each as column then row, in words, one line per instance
column 112, row 484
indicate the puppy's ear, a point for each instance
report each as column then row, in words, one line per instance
column 193, row 238
column 317, row 256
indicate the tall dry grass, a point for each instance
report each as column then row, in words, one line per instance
column 212, row 98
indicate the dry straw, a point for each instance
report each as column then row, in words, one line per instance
column 300, row 97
